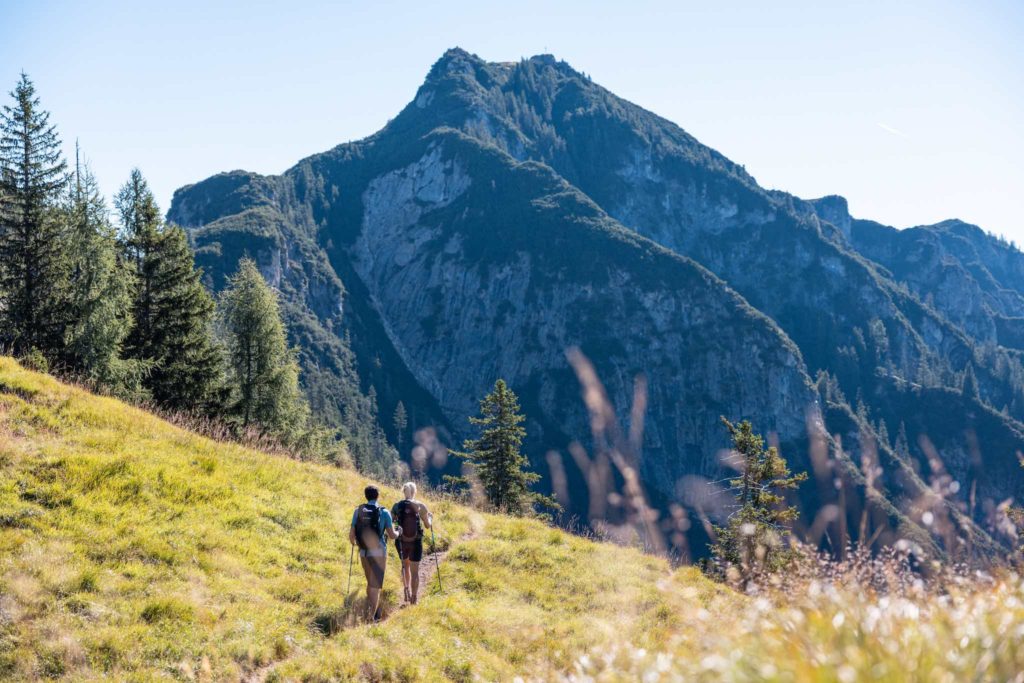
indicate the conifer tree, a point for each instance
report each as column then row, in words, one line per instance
column 752, row 540
column 189, row 366
column 33, row 239
column 496, row 457
column 969, row 385
column 902, row 444
column 883, row 433
column 400, row 421
column 263, row 371
column 140, row 233
column 172, row 311
column 100, row 293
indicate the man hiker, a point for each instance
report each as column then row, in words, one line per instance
column 411, row 516
column 371, row 523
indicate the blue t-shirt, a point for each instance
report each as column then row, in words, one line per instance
column 383, row 525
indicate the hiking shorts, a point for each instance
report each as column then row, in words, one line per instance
column 373, row 567
column 409, row 550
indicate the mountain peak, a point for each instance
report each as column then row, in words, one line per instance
column 457, row 53
column 834, row 209
column 454, row 59
column 547, row 59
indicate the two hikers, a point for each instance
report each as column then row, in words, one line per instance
column 411, row 515
column 372, row 524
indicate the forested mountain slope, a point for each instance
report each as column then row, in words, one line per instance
column 514, row 210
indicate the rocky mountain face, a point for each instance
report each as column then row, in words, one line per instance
column 513, row 211
column 968, row 276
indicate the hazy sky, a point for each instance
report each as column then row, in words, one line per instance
column 912, row 110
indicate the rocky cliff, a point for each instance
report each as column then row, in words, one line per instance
column 513, row 211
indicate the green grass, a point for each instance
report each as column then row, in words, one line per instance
column 134, row 550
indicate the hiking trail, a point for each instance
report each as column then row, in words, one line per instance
column 427, row 573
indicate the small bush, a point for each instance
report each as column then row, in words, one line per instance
column 35, row 360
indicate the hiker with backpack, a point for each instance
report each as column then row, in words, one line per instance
column 411, row 516
column 371, row 525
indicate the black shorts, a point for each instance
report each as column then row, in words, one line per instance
column 409, row 550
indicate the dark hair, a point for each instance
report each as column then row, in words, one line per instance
column 371, row 493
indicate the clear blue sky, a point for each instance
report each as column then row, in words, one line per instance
column 913, row 110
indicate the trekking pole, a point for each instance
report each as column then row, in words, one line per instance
column 437, row 563
column 351, row 557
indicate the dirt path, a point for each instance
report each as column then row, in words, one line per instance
column 431, row 562
column 428, row 570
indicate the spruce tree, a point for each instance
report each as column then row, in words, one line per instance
column 100, row 292
column 263, row 371
column 496, row 456
column 189, row 366
column 752, row 540
column 140, row 233
column 400, row 421
column 172, row 311
column 33, row 238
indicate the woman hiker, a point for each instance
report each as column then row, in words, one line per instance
column 411, row 516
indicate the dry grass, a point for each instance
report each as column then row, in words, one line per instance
column 971, row 629
column 131, row 549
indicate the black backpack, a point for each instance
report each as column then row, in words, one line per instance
column 408, row 518
column 368, row 526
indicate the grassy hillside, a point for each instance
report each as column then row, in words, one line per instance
column 132, row 549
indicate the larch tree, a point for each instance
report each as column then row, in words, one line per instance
column 34, row 260
column 263, row 371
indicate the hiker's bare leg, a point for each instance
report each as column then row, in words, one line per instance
column 414, row 570
column 372, row 598
column 407, row 575
column 374, row 570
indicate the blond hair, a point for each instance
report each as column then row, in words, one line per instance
column 409, row 489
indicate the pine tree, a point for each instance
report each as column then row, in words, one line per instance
column 264, row 372
column 33, row 239
column 400, row 421
column 752, row 540
column 100, row 293
column 496, row 457
column 172, row 311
